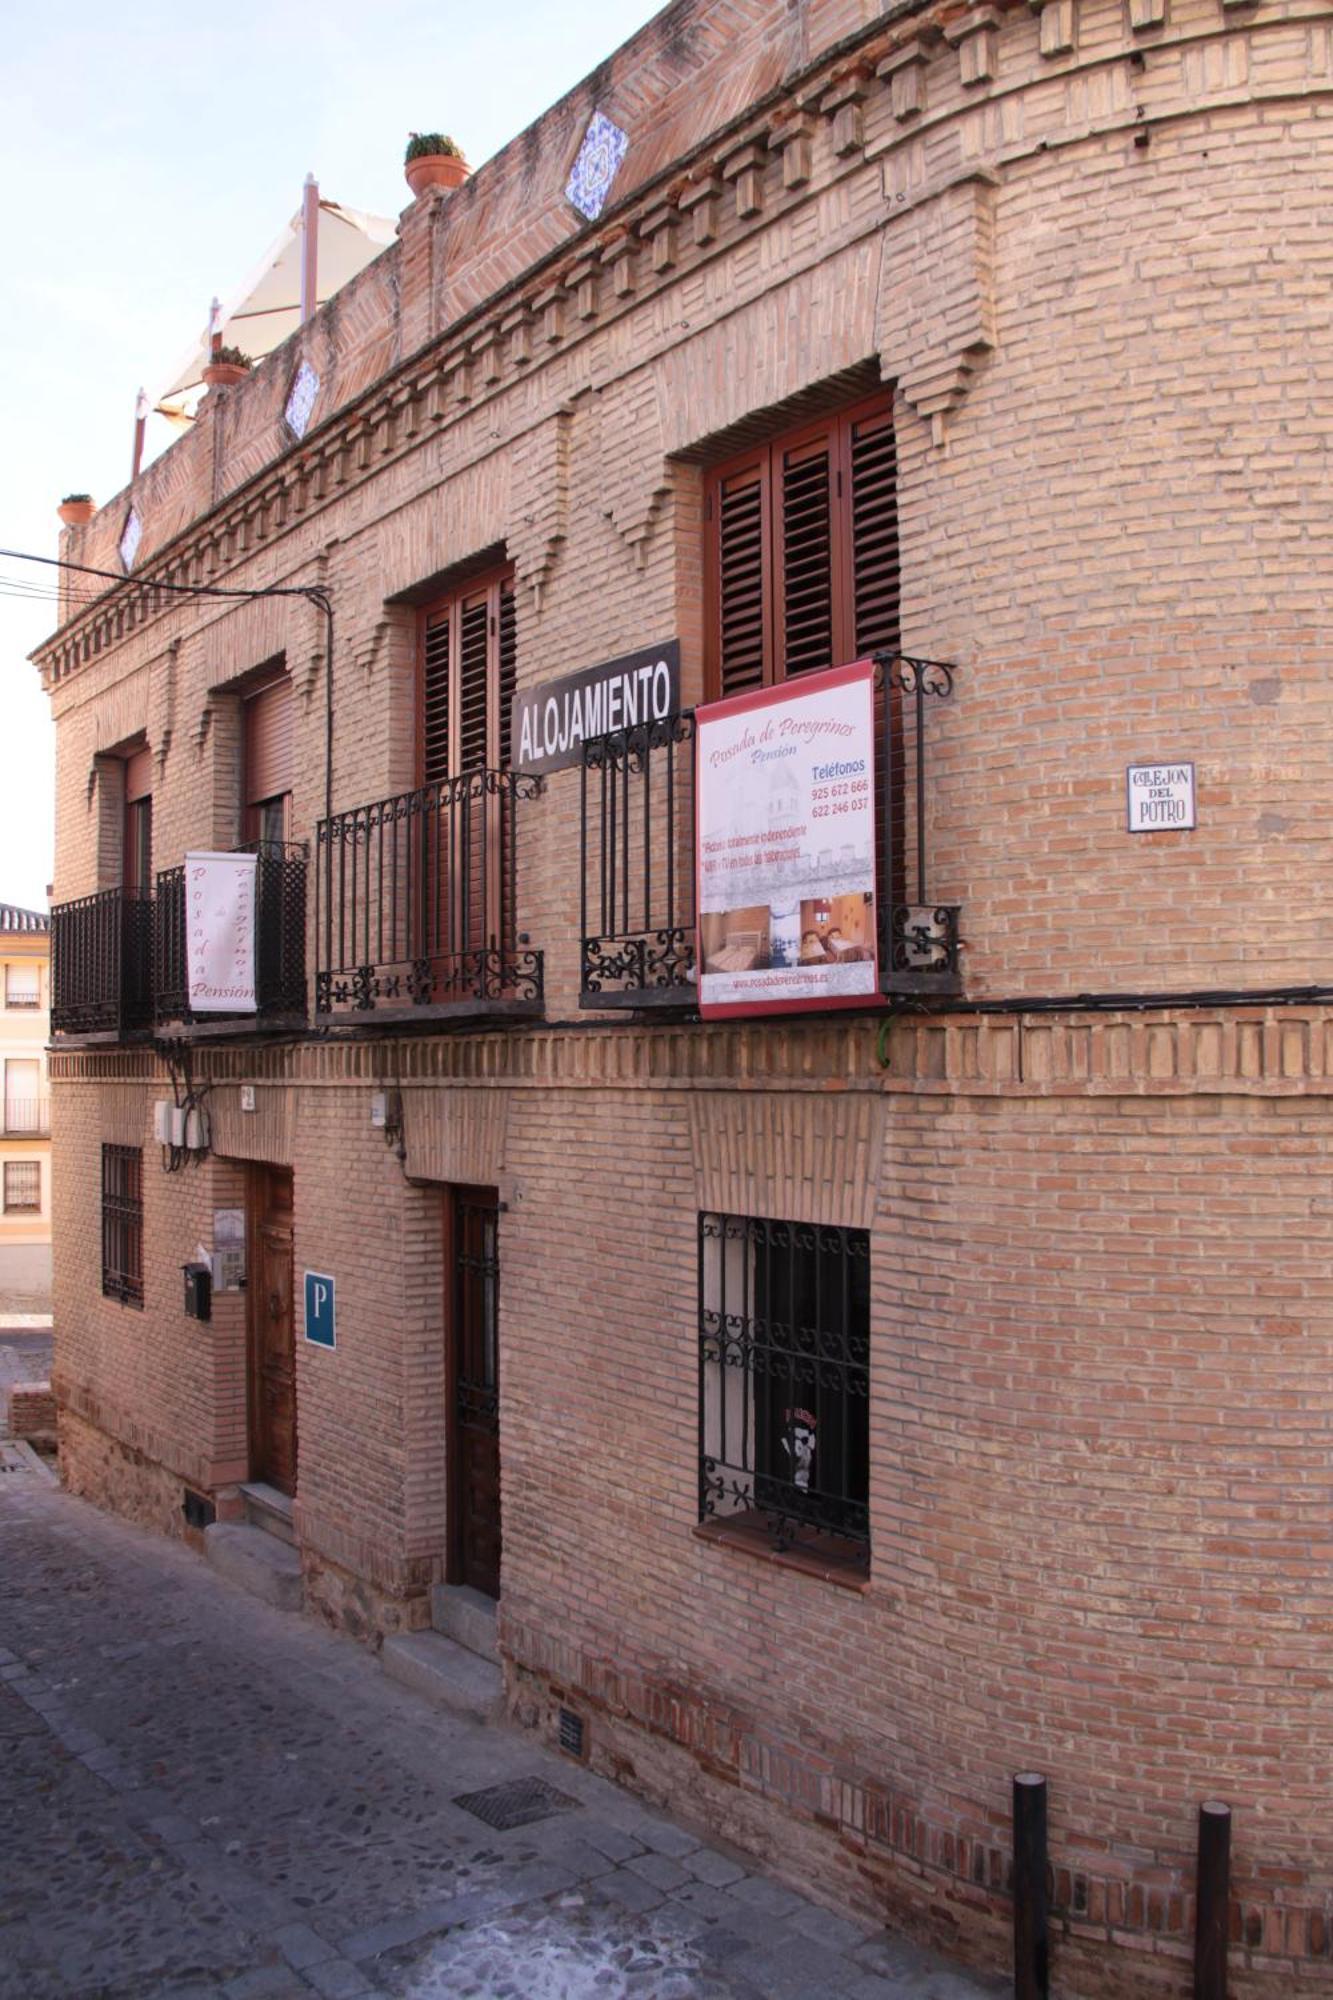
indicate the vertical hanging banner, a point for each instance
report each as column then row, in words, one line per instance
column 220, row 932
column 785, row 846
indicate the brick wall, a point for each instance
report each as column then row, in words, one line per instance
column 1100, row 1315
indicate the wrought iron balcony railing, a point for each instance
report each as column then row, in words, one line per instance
column 415, row 901
column 280, row 994
column 637, row 853
column 101, row 964
column 26, row 1118
column 636, row 821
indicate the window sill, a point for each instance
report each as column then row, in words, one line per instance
column 845, row 1564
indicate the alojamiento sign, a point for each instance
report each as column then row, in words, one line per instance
column 550, row 723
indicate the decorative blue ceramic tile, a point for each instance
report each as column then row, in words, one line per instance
column 604, row 147
column 130, row 539
column 301, row 401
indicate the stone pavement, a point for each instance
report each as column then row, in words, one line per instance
column 206, row 1797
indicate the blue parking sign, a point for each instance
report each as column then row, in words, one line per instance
column 319, row 1309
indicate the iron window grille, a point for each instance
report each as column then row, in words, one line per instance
column 784, row 1383
column 22, row 987
column 23, row 1187
column 122, row 1224
column 101, row 963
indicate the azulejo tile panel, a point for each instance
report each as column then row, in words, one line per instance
column 598, row 162
column 301, row 400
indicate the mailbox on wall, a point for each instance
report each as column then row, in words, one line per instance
column 198, row 1291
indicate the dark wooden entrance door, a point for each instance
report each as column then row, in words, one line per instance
column 472, row 1279
column 272, row 1330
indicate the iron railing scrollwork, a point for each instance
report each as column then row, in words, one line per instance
column 280, row 939
column 636, row 862
column 102, row 963
column 415, row 902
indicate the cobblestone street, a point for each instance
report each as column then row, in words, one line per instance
column 204, row 1796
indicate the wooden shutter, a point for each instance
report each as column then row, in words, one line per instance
column 508, row 669
column 872, row 454
column 806, row 605
column 435, row 705
column 475, row 700
column 269, row 758
column 739, row 579
column 802, row 555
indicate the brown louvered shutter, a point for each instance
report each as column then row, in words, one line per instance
column 802, row 552
column 475, row 701
column 435, row 705
column 508, row 668
column 873, row 456
column 740, row 579
column 268, row 742
column 806, row 476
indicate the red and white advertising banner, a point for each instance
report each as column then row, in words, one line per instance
column 220, row 932
column 785, row 846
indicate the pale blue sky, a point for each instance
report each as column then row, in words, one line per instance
column 150, row 155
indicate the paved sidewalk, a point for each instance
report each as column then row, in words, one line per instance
column 204, row 1797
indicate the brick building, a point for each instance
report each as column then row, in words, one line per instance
column 847, row 1409
column 25, row 1121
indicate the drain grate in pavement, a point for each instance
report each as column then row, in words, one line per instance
column 520, row 1802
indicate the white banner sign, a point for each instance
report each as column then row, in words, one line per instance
column 786, row 848
column 220, row 932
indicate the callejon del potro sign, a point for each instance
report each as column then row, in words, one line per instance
column 551, row 723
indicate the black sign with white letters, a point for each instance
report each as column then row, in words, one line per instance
column 552, row 722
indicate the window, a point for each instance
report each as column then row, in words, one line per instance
column 468, row 660
column 784, row 1384
column 267, row 763
column 137, row 871
column 23, row 986
column 23, row 1187
column 23, row 1106
column 802, row 548
column 122, row 1224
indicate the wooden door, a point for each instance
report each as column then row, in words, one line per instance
column 272, row 1330
column 472, row 1281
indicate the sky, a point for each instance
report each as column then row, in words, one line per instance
column 151, row 154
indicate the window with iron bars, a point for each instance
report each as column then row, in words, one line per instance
column 23, row 1187
column 122, row 1224
column 784, row 1385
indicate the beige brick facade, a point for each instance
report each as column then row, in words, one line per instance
column 1088, row 246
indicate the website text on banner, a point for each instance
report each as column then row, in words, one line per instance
column 220, row 932
column 786, row 846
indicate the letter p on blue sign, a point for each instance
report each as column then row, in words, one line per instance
column 319, row 1309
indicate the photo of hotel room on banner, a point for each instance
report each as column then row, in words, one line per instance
column 786, row 846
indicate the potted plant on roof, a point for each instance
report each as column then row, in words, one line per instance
column 433, row 160
column 76, row 509
column 226, row 365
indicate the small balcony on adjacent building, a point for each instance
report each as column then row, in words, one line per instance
column 415, row 906
column 280, row 949
column 26, row 1118
column 101, row 965
column 637, row 853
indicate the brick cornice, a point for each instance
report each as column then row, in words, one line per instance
column 1233, row 1051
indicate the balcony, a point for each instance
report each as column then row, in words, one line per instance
column 415, row 900
column 637, row 853
column 636, row 820
column 101, row 965
column 26, row 1118
column 280, row 995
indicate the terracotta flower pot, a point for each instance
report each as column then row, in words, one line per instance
column 222, row 374
column 435, row 170
column 74, row 513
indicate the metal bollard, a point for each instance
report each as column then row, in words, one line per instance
column 1032, row 1974
column 1213, row 1900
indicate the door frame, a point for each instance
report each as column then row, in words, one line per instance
column 453, row 1194
column 258, row 1179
